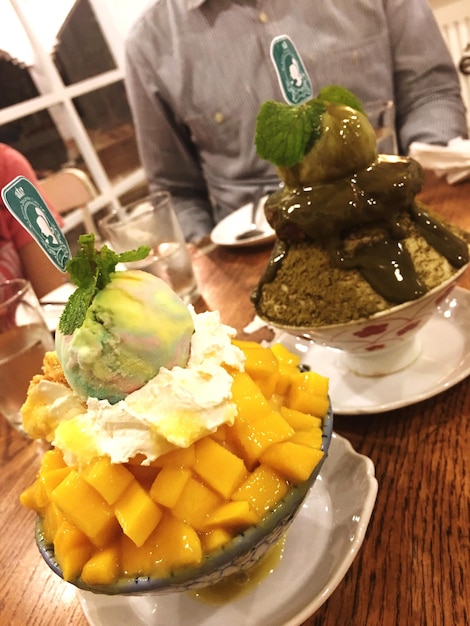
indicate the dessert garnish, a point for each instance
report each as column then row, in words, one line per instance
column 286, row 133
column 91, row 271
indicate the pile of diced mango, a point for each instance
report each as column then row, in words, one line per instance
column 109, row 521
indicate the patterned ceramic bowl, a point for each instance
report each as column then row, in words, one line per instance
column 385, row 342
column 239, row 554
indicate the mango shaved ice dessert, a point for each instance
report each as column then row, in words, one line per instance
column 352, row 240
column 160, row 480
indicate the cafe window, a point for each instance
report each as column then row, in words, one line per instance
column 66, row 103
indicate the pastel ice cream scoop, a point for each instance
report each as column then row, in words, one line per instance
column 134, row 326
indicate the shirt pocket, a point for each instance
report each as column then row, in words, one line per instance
column 219, row 134
column 365, row 67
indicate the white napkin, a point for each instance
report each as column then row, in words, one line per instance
column 451, row 161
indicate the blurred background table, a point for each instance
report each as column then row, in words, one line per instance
column 414, row 565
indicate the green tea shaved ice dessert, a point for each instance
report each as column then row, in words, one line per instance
column 352, row 240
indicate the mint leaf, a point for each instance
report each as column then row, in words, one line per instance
column 107, row 262
column 82, row 268
column 134, row 255
column 75, row 310
column 91, row 271
column 285, row 133
column 340, row 95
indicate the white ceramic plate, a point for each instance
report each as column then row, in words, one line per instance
column 444, row 361
column 226, row 231
column 319, row 549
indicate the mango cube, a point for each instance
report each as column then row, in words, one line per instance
column 263, row 488
column 35, row 497
column 285, row 356
column 52, row 478
column 177, row 544
column 260, row 362
column 137, row 513
column 72, row 550
column 233, row 514
column 311, row 438
column 216, row 538
column 196, row 503
column 299, row 420
column 103, row 566
column 182, row 457
column 294, row 461
column 85, row 508
column 268, row 386
column 53, row 518
column 218, row 467
column 248, row 397
column 255, row 436
column 288, row 367
column 52, row 460
column 168, row 485
column 171, row 545
column 110, row 480
column 136, row 561
column 309, row 394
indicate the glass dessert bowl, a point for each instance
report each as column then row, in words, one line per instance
column 385, row 342
column 240, row 554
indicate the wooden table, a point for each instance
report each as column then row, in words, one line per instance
column 414, row 566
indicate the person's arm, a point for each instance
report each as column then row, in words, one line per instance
column 429, row 105
column 167, row 153
column 43, row 275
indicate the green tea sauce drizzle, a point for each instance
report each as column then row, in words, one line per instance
column 236, row 585
column 325, row 212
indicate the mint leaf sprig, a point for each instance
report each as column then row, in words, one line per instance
column 340, row 95
column 285, row 133
column 91, row 271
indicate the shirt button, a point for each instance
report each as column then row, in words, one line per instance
column 263, row 17
column 218, row 117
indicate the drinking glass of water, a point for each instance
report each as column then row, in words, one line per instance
column 24, row 340
column 152, row 222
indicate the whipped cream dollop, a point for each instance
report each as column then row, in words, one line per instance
column 173, row 410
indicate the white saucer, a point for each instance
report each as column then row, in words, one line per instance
column 226, row 231
column 444, row 361
column 319, row 549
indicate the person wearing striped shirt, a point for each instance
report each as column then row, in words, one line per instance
column 197, row 72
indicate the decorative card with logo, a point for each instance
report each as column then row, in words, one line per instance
column 25, row 203
column 291, row 73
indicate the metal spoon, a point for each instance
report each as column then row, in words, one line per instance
column 253, row 230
